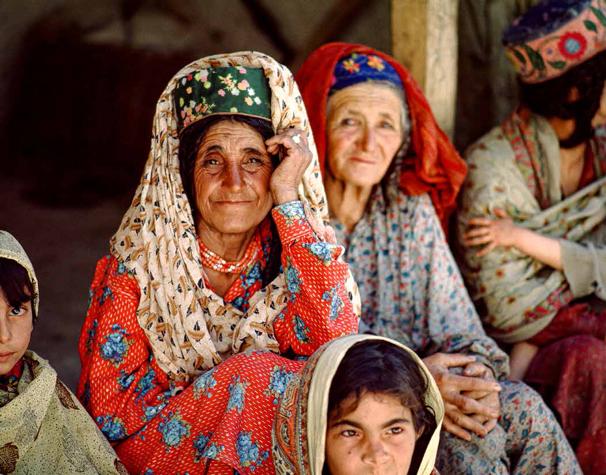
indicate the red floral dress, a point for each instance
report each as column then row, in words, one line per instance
column 222, row 421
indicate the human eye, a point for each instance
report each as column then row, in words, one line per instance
column 395, row 430
column 387, row 124
column 348, row 121
column 17, row 311
column 348, row 433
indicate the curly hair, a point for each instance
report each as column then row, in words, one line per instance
column 552, row 98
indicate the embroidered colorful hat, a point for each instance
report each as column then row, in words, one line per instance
column 359, row 67
column 554, row 36
column 222, row 90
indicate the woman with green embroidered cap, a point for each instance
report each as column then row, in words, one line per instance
column 43, row 427
column 223, row 250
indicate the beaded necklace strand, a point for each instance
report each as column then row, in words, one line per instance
column 215, row 262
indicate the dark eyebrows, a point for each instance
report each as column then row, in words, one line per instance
column 397, row 420
column 219, row 148
column 391, row 422
column 386, row 116
column 345, row 422
column 213, row 148
column 254, row 150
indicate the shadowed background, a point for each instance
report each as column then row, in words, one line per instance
column 80, row 79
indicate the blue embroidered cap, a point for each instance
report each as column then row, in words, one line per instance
column 357, row 68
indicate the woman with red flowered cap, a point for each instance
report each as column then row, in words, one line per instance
column 532, row 226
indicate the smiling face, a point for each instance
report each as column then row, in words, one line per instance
column 377, row 438
column 15, row 332
column 231, row 177
column 364, row 130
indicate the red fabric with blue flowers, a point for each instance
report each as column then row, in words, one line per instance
column 223, row 420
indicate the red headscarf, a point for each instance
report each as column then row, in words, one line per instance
column 433, row 166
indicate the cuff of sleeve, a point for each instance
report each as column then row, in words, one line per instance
column 577, row 264
column 291, row 222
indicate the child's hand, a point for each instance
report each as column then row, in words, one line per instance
column 492, row 232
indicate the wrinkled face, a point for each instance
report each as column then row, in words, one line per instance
column 231, row 177
column 15, row 330
column 364, row 130
column 377, row 438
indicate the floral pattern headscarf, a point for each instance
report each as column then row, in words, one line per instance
column 299, row 432
column 189, row 327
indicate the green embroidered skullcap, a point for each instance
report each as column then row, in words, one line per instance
column 222, row 90
column 11, row 249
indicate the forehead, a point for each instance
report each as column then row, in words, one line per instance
column 232, row 134
column 374, row 409
column 366, row 99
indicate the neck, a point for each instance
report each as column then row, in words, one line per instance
column 230, row 246
column 347, row 201
column 563, row 129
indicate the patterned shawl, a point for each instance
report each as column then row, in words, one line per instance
column 189, row 327
column 44, row 429
column 299, row 432
column 434, row 167
column 516, row 167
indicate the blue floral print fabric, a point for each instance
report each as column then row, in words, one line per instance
column 412, row 291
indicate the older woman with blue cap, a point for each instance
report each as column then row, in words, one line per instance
column 535, row 201
column 391, row 178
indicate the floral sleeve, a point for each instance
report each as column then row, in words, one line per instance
column 453, row 323
column 318, row 308
column 120, row 384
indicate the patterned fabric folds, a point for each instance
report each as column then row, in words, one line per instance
column 516, row 168
column 156, row 240
column 45, row 429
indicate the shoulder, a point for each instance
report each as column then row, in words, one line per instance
column 491, row 149
column 113, row 274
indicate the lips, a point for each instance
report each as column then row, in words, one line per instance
column 366, row 161
column 5, row 356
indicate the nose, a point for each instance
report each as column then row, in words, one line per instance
column 232, row 177
column 368, row 141
column 5, row 330
column 375, row 452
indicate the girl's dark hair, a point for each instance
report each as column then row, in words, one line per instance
column 380, row 367
column 552, row 98
column 189, row 144
column 15, row 284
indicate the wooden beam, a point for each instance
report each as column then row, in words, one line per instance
column 424, row 39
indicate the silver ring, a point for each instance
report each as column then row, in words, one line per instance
column 297, row 139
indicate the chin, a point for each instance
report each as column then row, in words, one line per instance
column 363, row 180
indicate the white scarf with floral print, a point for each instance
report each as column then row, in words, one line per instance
column 189, row 327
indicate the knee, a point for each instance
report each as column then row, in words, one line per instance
column 585, row 348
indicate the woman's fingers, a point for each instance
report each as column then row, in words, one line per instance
column 486, row 250
column 468, row 405
column 479, row 222
column 478, row 241
column 438, row 362
column 461, row 423
column 475, row 232
column 449, row 426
